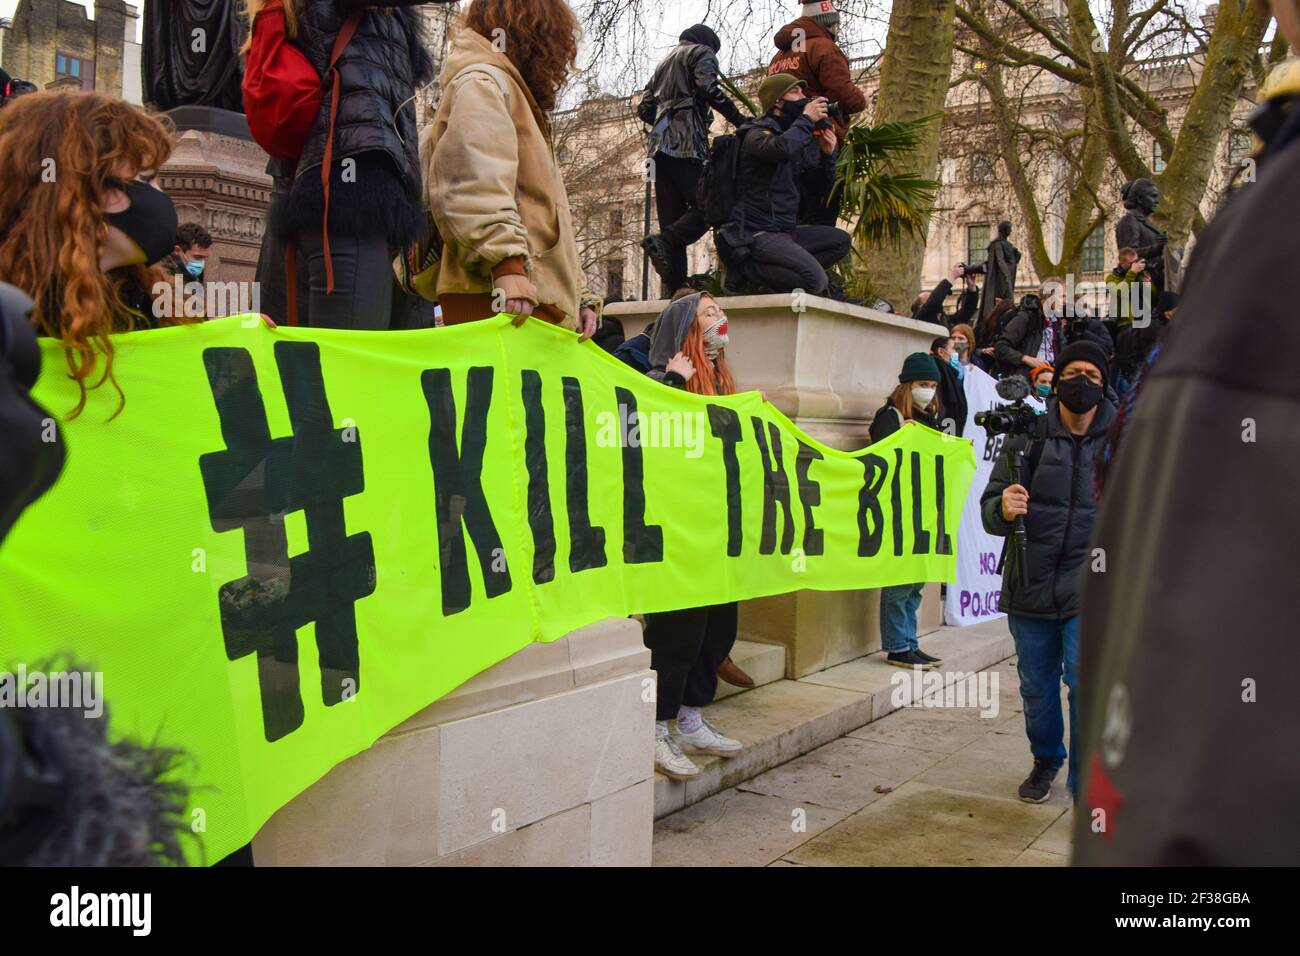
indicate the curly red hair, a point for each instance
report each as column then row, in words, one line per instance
column 541, row 40
column 61, row 150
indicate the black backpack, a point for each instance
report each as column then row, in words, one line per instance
column 716, row 195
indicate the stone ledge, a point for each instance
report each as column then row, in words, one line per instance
column 789, row 718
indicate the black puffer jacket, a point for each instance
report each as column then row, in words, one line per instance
column 1062, row 510
column 678, row 102
column 1023, row 335
column 376, row 124
column 773, row 162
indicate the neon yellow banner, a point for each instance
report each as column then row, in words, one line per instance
column 291, row 540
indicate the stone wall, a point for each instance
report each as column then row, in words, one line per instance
column 44, row 28
column 546, row 759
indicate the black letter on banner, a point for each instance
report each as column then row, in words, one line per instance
column 642, row 543
column 810, row 493
column 458, row 487
column 873, row 479
column 896, row 497
column 921, row 537
column 776, row 488
column 251, row 486
column 725, row 425
column 586, row 543
column 539, row 487
column 944, row 539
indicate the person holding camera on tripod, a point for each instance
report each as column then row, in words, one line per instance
column 1040, row 587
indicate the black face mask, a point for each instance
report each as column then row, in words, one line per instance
column 1079, row 394
column 150, row 221
column 791, row 110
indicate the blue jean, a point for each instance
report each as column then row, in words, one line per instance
column 898, row 607
column 1048, row 651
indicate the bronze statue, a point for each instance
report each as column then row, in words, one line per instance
column 999, row 270
column 191, row 53
column 1137, row 232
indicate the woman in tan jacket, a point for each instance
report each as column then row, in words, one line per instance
column 490, row 174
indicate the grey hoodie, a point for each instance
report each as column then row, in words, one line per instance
column 670, row 332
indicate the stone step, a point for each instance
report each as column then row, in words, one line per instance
column 763, row 662
column 788, row 718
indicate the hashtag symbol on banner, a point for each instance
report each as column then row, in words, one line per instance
column 251, row 486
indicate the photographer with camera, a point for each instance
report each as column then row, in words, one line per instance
column 808, row 49
column 1049, row 507
column 779, row 154
column 929, row 308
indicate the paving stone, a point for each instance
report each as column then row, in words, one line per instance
column 846, row 774
column 1032, row 857
column 933, row 729
column 736, row 829
column 920, row 825
column 994, row 765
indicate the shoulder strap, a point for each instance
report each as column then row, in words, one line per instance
column 332, row 74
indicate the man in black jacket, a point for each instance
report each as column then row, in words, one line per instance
column 1055, row 496
column 929, row 308
column 779, row 156
column 1187, row 640
column 1030, row 338
column 677, row 105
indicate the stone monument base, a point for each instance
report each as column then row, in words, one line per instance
column 217, row 177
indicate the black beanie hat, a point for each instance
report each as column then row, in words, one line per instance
column 919, row 367
column 1083, row 350
column 702, row 34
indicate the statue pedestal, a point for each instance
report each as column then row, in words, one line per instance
column 828, row 366
column 216, row 176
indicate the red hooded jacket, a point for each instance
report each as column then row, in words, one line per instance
column 820, row 63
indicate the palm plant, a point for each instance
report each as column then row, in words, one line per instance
column 884, row 205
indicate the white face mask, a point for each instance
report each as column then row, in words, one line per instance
column 921, row 397
column 716, row 338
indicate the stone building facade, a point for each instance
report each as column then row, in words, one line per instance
column 56, row 41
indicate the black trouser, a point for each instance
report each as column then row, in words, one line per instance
column 363, row 281
column 785, row 261
column 272, row 280
column 686, row 648
column 680, row 222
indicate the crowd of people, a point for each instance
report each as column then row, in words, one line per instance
column 475, row 205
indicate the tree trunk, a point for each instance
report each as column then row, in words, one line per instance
column 914, row 75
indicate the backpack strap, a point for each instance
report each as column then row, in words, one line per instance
column 332, row 74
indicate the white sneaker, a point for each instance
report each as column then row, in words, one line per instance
column 707, row 739
column 670, row 761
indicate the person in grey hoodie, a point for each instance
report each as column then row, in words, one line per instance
column 688, row 646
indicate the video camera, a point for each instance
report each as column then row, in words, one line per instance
column 1018, row 418
column 970, row 270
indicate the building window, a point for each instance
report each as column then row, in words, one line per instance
column 1158, row 163
column 1094, row 251
column 616, row 222
column 977, row 245
column 614, row 277
column 982, row 169
column 65, row 64
column 1239, row 146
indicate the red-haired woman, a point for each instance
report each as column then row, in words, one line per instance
column 79, row 242
column 687, row 647
column 490, row 175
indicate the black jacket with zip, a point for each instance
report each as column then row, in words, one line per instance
column 678, row 102
column 1062, row 510
column 375, row 126
column 774, row 160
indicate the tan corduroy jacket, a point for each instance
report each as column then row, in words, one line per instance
column 493, row 184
